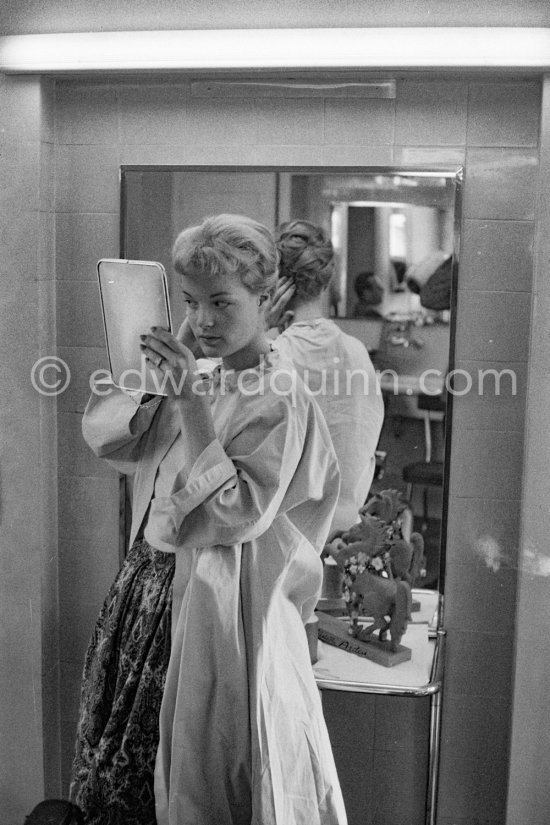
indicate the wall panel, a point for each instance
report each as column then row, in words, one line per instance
column 493, row 313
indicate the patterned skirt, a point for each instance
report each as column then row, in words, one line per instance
column 122, row 686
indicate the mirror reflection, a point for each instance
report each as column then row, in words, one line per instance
column 394, row 235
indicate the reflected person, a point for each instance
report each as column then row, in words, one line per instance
column 370, row 296
column 335, row 366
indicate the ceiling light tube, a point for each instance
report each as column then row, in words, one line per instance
column 241, row 49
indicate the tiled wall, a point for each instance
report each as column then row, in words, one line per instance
column 529, row 790
column 489, row 127
column 28, row 473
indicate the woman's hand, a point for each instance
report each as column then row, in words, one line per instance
column 278, row 315
column 176, row 369
column 172, row 362
column 187, row 337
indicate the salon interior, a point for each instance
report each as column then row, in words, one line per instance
column 418, row 136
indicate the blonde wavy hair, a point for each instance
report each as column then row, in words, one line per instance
column 228, row 244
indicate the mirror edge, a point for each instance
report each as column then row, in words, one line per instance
column 450, row 171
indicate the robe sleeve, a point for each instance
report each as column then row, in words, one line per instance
column 232, row 495
column 114, row 424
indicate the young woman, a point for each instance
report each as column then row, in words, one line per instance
column 336, row 367
column 235, row 479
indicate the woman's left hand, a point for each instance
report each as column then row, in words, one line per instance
column 172, row 362
column 279, row 315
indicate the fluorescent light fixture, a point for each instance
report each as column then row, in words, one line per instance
column 379, row 204
column 292, row 88
column 245, row 49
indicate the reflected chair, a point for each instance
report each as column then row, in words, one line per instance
column 380, row 466
column 426, row 473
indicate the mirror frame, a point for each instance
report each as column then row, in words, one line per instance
column 451, row 172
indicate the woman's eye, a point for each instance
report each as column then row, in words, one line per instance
column 190, row 304
column 221, row 304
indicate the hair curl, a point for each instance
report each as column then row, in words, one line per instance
column 228, row 244
column 307, row 257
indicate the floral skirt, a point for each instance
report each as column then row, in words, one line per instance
column 122, row 687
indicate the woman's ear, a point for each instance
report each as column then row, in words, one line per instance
column 263, row 298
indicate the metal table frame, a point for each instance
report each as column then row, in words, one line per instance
column 433, row 689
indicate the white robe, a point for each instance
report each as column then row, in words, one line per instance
column 242, row 735
column 339, row 373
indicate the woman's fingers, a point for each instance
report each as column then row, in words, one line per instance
column 185, row 333
column 284, row 291
column 186, row 336
column 161, row 342
column 155, row 350
column 171, row 358
column 165, row 337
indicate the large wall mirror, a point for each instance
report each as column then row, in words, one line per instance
column 395, row 233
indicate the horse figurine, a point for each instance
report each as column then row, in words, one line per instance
column 407, row 558
column 379, row 558
column 387, row 600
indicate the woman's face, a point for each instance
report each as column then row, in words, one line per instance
column 226, row 318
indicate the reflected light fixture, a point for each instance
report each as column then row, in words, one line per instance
column 276, row 49
column 293, row 88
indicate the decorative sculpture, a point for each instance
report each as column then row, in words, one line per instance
column 379, row 566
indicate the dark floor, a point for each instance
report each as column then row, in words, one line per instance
column 402, row 439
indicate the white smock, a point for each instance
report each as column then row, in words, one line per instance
column 338, row 372
column 243, row 740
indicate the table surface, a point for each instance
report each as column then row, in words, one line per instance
column 340, row 670
column 426, row 384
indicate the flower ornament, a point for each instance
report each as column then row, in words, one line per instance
column 377, row 564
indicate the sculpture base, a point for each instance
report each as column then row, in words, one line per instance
column 334, row 632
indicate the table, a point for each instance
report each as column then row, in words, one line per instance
column 342, row 672
column 395, row 383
